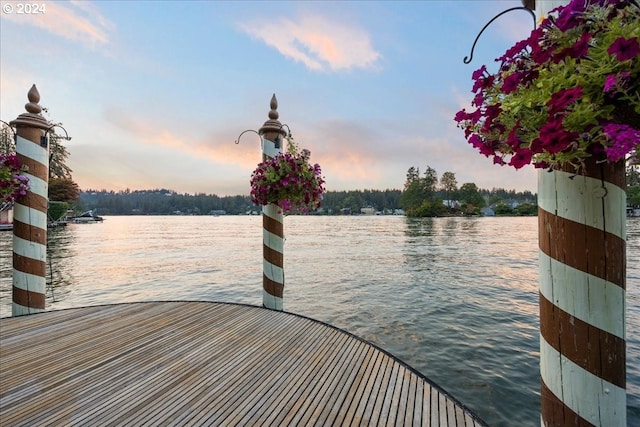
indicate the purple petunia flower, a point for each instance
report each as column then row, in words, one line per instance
column 614, row 82
column 521, row 158
column 563, row 98
column 624, row 49
column 624, row 138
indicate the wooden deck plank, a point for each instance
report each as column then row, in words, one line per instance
column 198, row 363
column 373, row 410
column 181, row 388
column 419, row 404
column 299, row 390
column 227, row 379
column 349, row 379
column 255, row 386
column 301, row 403
column 300, row 372
column 409, row 398
column 331, row 382
column 101, row 374
column 357, row 396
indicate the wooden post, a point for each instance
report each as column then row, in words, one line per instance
column 582, row 230
column 582, row 235
column 272, row 219
column 30, row 211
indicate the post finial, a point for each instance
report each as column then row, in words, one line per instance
column 273, row 114
column 272, row 127
column 32, row 118
column 34, row 97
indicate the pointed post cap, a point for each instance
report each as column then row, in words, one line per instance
column 32, row 118
column 272, row 127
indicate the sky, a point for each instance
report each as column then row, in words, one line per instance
column 155, row 93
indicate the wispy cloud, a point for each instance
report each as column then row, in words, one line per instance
column 318, row 42
column 77, row 21
column 216, row 147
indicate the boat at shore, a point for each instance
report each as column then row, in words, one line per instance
column 87, row 217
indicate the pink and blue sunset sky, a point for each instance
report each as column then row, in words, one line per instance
column 154, row 93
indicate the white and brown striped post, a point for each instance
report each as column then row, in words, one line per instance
column 30, row 211
column 272, row 219
column 582, row 254
column 582, row 234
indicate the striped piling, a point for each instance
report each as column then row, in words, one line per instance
column 30, row 211
column 582, row 231
column 272, row 219
column 582, row 295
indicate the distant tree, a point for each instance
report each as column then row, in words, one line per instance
column 57, row 210
column 58, row 155
column 470, row 195
column 448, row 184
column 7, row 144
column 430, row 182
column 413, row 194
column 503, row 209
column 63, row 190
column 526, row 209
column 430, row 208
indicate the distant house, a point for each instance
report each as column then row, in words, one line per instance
column 367, row 211
column 487, row 212
column 454, row 204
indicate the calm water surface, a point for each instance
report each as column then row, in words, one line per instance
column 456, row 298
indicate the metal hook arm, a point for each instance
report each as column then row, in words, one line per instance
column 68, row 138
column 288, row 129
column 237, row 141
column 467, row 59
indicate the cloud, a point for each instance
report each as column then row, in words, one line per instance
column 216, row 147
column 76, row 21
column 316, row 41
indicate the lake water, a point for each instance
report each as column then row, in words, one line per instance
column 456, row 298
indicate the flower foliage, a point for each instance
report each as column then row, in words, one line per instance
column 569, row 91
column 289, row 181
column 12, row 181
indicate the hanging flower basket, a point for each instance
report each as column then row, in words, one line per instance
column 568, row 92
column 12, row 181
column 289, row 181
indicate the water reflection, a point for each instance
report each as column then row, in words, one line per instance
column 61, row 253
column 456, row 298
column 478, row 299
column 60, row 274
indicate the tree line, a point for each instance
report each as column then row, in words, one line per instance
column 425, row 194
column 169, row 202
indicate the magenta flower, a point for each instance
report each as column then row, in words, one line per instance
column 13, row 183
column 560, row 84
column 616, row 82
column 624, row 49
column 577, row 51
column 624, row 139
column 561, row 99
column 289, row 181
column 511, row 83
column 521, row 158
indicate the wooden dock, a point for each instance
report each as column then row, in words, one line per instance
column 202, row 363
